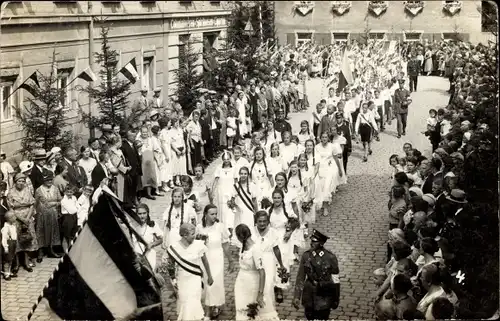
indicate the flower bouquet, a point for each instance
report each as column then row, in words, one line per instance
column 306, row 206
column 284, row 275
column 253, row 310
column 231, row 204
column 202, row 237
column 265, row 203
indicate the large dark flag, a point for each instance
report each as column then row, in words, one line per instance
column 346, row 76
column 102, row 277
column 31, row 84
column 87, row 75
column 130, row 71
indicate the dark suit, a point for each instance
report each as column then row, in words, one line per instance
column 413, row 69
column 427, row 184
column 401, row 108
column 134, row 175
column 76, row 175
column 345, row 131
column 36, row 177
column 98, row 174
column 327, row 122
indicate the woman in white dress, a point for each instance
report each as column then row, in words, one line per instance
column 178, row 148
column 295, row 185
column 87, row 162
column 224, row 179
column 250, row 282
column 329, row 167
column 150, row 170
column 267, row 239
column 307, row 194
column 161, row 160
column 270, row 136
column 240, row 107
column 244, row 199
column 217, row 243
column 339, row 142
column 175, row 215
column 184, row 263
column 288, row 149
column 260, row 174
column 151, row 233
column 275, row 161
column 167, row 150
column 305, row 132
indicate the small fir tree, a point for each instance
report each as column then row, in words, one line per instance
column 43, row 117
column 111, row 95
column 189, row 79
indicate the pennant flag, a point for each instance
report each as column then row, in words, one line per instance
column 31, row 84
column 102, row 277
column 346, row 76
column 130, row 71
column 87, row 75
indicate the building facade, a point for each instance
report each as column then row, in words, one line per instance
column 152, row 32
column 326, row 22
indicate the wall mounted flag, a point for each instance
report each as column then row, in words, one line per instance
column 130, row 71
column 304, row 7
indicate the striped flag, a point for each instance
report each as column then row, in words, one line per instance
column 346, row 76
column 87, row 75
column 31, row 84
column 101, row 277
column 130, row 71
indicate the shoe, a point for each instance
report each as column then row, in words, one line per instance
column 14, row 271
column 6, row 277
column 13, row 275
column 365, row 159
column 39, row 259
column 158, row 194
column 377, row 139
column 399, row 136
column 370, row 152
column 404, row 133
column 150, row 197
column 28, row 268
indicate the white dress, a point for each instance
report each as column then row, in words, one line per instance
column 171, row 236
column 222, row 194
column 288, row 153
column 307, row 193
column 240, row 107
column 178, row 165
column 243, row 214
column 337, row 150
column 189, row 305
column 217, row 235
column 231, row 127
column 328, row 171
column 266, row 243
column 276, row 165
column 167, row 151
column 148, row 233
column 246, row 286
column 260, row 177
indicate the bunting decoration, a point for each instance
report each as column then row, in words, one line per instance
column 341, row 7
column 378, row 7
column 130, row 71
column 452, row 7
column 304, row 7
column 87, row 75
column 414, row 7
column 31, row 85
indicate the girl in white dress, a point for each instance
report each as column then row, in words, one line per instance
column 165, row 146
column 160, row 159
column 275, row 161
column 271, row 136
column 339, row 142
column 202, row 188
column 150, row 232
column 260, row 174
column 224, row 178
column 267, row 239
column 231, row 128
column 306, row 195
column 250, row 283
column 329, row 167
column 191, row 198
column 288, row 149
column 174, row 216
column 295, row 185
column 184, row 260
column 239, row 104
column 243, row 200
column 305, row 132
column 178, row 147
column 217, row 243
column 239, row 161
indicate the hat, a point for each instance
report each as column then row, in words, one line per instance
column 317, row 236
column 157, row 89
column 107, row 128
column 430, row 199
column 40, row 154
column 397, row 235
column 19, row 176
column 212, row 92
column 144, row 90
column 449, row 174
column 153, row 113
column 457, row 155
column 457, row 196
column 55, row 150
column 48, row 175
column 416, row 190
column 465, row 122
column 25, row 166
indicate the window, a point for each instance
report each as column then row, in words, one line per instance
column 340, row 37
column 412, row 36
column 148, row 72
column 63, row 83
column 378, row 36
column 303, row 37
column 8, row 99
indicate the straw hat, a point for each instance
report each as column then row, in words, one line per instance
column 25, row 166
column 40, row 154
column 457, row 196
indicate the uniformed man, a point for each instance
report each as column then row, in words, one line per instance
column 401, row 102
column 318, row 281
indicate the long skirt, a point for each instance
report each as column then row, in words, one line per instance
column 178, row 164
column 428, row 65
column 196, row 154
column 150, row 171
column 326, row 182
column 47, row 228
column 268, row 312
column 215, row 294
column 246, row 288
column 189, row 305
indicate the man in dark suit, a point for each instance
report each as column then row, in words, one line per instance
column 343, row 128
column 327, row 121
column 412, row 69
column 100, row 171
column 401, row 102
column 76, row 174
column 134, row 161
column 280, row 124
column 37, row 173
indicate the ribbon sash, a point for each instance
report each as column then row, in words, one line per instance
column 190, row 267
column 245, row 198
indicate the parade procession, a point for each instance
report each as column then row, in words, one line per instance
column 224, row 165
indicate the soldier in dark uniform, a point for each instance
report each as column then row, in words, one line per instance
column 280, row 124
column 318, row 281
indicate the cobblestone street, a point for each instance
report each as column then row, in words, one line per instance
column 357, row 224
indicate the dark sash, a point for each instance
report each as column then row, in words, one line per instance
column 245, row 198
column 185, row 264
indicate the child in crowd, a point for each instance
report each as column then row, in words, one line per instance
column 412, row 171
column 201, row 188
column 69, row 220
column 239, row 160
column 316, row 118
column 431, row 122
column 231, row 128
column 9, row 243
column 84, row 205
column 376, row 116
column 396, row 166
